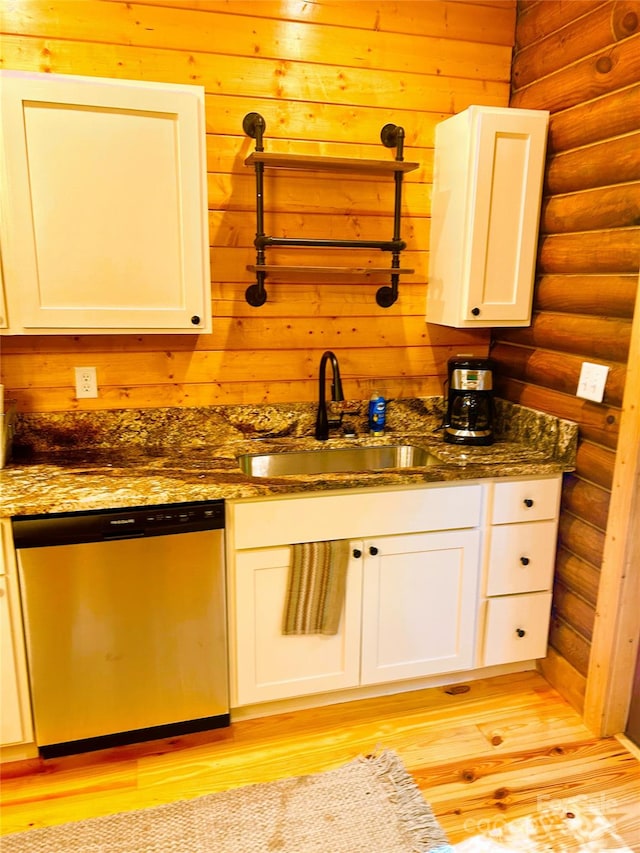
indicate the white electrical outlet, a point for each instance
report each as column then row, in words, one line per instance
column 86, row 382
column 593, row 378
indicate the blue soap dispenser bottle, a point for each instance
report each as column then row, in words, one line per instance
column 377, row 413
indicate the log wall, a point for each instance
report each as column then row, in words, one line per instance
column 580, row 60
column 327, row 76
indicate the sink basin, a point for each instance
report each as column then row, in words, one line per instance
column 335, row 461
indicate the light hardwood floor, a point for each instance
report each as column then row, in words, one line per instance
column 502, row 749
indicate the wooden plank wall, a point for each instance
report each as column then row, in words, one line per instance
column 327, row 76
column 580, row 60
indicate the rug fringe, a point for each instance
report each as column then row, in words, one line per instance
column 415, row 815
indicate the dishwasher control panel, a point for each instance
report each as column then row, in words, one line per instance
column 36, row 531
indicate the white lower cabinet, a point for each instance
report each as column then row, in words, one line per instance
column 11, row 728
column 15, row 714
column 409, row 611
column 410, row 603
column 522, row 538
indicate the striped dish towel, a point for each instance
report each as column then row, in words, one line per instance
column 316, row 587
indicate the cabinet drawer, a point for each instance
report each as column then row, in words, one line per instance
column 517, row 628
column 280, row 521
column 521, row 558
column 525, row 500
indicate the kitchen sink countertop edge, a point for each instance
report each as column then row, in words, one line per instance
column 87, row 461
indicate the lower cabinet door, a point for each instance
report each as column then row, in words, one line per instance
column 268, row 665
column 517, row 628
column 419, row 605
column 12, row 728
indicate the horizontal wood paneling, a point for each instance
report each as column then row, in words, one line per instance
column 586, row 500
column 573, row 610
column 615, row 251
column 571, row 333
column 570, row 644
column 327, row 77
column 557, row 670
column 113, row 368
column 577, row 574
column 491, row 23
column 610, row 162
column 594, row 463
column 610, row 115
column 539, row 20
column 584, row 294
column 581, row 538
column 608, row 207
column 558, row 371
column 588, row 34
column 581, row 61
column 614, row 67
column 189, row 31
column 259, row 78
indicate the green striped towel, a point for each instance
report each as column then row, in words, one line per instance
column 316, row 587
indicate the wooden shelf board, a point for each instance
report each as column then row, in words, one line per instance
column 276, row 268
column 329, row 164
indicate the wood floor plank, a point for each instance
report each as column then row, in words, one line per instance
column 502, row 749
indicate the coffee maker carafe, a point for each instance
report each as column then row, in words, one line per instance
column 470, row 406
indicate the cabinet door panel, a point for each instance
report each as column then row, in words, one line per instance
column 521, row 558
column 11, row 728
column 270, row 665
column 15, row 714
column 508, row 187
column 106, row 225
column 419, row 602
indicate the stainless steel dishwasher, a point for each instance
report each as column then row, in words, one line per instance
column 125, row 619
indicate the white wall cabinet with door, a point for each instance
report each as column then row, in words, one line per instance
column 16, row 728
column 485, row 212
column 410, row 604
column 104, row 206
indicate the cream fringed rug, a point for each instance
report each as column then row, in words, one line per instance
column 371, row 805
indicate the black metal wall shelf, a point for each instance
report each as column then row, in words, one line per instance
column 391, row 136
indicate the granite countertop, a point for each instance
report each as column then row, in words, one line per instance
column 121, row 458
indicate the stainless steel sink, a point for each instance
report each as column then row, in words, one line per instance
column 342, row 459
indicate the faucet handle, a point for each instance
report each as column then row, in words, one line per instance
column 335, row 411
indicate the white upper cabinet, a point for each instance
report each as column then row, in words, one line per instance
column 485, row 213
column 104, row 206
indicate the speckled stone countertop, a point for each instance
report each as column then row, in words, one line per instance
column 121, row 458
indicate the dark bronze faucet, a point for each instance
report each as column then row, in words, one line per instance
column 322, row 420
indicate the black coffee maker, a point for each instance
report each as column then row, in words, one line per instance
column 470, row 407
